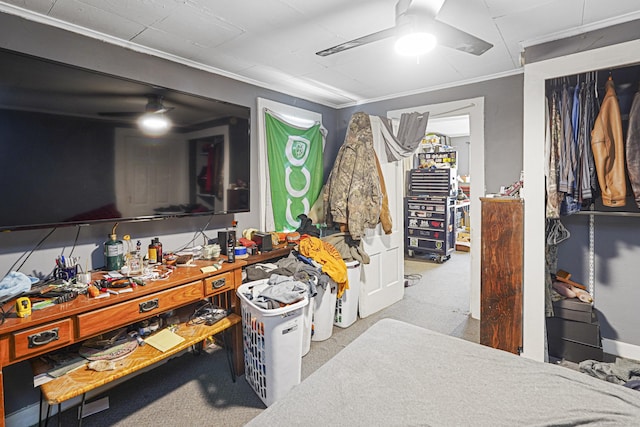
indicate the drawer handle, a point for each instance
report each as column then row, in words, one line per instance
column 149, row 305
column 217, row 284
column 43, row 338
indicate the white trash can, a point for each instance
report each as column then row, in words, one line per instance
column 324, row 309
column 347, row 304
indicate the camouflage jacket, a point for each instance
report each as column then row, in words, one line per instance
column 352, row 194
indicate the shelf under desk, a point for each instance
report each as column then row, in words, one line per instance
column 83, row 380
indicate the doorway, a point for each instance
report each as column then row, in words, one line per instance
column 472, row 108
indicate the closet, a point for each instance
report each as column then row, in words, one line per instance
column 599, row 219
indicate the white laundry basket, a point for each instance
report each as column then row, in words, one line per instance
column 324, row 309
column 307, row 315
column 272, row 343
column 347, row 304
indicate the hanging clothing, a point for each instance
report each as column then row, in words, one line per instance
column 353, row 195
column 386, row 221
column 633, row 147
column 587, row 173
column 608, row 149
column 392, row 147
column 554, row 197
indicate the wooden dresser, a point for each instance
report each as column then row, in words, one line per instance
column 501, row 274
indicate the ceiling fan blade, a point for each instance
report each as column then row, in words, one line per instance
column 389, row 32
column 119, row 113
column 457, row 39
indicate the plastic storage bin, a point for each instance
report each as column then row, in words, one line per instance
column 272, row 343
column 324, row 309
column 347, row 304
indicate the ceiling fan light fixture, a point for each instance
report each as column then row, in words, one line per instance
column 154, row 124
column 415, row 44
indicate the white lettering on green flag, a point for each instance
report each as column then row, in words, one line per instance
column 295, row 170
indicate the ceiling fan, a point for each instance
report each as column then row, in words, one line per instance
column 419, row 16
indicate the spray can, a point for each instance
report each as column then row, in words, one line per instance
column 114, row 251
column 231, row 247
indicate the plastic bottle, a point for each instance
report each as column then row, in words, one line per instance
column 152, row 254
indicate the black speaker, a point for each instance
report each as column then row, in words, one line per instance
column 223, row 239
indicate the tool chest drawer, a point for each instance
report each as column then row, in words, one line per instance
column 137, row 309
column 217, row 284
column 438, row 246
column 428, row 223
column 441, row 182
column 43, row 338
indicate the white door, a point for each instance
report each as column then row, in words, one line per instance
column 383, row 278
column 152, row 172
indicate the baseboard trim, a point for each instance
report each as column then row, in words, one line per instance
column 621, row 349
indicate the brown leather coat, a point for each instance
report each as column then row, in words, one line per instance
column 633, row 147
column 607, row 144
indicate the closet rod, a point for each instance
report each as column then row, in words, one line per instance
column 606, row 213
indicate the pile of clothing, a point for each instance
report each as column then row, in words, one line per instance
column 314, row 264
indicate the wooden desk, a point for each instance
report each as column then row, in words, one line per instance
column 69, row 323
column 279, row 251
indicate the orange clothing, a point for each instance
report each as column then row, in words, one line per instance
column 328, row 256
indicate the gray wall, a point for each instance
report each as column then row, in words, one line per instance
column 462, row 148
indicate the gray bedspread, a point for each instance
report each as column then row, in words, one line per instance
column 397, row 374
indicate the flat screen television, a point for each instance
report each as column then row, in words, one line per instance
column 72, row 150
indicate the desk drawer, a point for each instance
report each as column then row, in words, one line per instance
column 217, row 284
column 108, row 318
column 43, row 338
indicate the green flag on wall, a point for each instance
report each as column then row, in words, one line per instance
column 295, row 170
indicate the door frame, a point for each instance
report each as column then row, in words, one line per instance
column 474, row 107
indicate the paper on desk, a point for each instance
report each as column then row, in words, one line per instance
column 164, row 340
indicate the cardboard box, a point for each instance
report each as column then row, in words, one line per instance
column 574, row 351
column 573, row 340
column 582, row 332
column 573, row 309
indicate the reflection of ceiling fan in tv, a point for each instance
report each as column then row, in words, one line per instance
column 418, row 31
column 152, row 121
column 154, row 105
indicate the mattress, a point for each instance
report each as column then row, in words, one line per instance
column 398, row 374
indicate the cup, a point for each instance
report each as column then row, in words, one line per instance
column 84, row 278
column 65, row 273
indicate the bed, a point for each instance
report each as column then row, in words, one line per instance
column 398, row 374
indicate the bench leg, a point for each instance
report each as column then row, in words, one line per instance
column 84, row 395
column 229, row 351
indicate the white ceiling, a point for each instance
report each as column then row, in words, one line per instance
column 272, row 43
